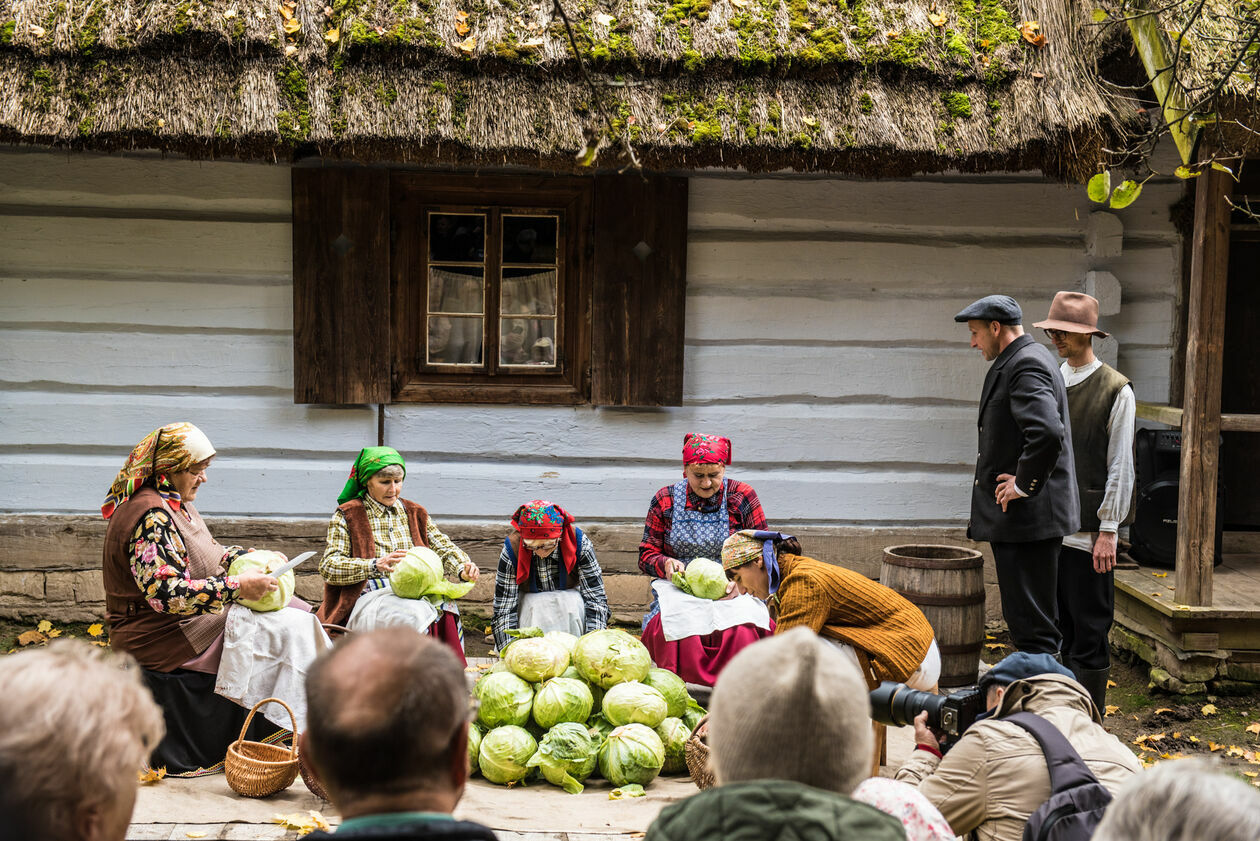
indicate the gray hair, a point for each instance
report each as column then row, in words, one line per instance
column 1183, row 800
column 391, row 471
column 76, row 725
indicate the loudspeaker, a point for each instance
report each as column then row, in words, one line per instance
column 1153, row 533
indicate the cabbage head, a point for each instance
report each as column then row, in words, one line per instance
column 419, row 574
column 599, row 727
column 562, row 699
column 562, row 638
column 634, row 703
column 706, row 579
column 566, row 755
column 608, row 657
column 694, row 713
column 630, row 754
column 262, row 560
column 474, row 747
column 505, row 699
column 572, row 672
column 504, row 754
column 536, row 660
column 674, row 735
column 672, row 687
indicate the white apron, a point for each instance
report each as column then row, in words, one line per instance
column 554, row 610
column 381, row 608
column 684, row 615
column 924, row 677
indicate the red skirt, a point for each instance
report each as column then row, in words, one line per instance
column 446, row 629
column 699, row 659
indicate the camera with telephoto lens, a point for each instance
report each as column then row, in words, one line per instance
column 896, row 705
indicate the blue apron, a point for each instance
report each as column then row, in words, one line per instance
column 694, row 534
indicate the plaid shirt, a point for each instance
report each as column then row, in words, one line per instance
column 549, row 574
column 742, row 506
column 390, row 531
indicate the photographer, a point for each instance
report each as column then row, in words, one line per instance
column 995, row 776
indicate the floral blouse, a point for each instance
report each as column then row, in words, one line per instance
column 159, row 565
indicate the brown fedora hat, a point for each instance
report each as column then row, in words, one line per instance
column 1073, row 312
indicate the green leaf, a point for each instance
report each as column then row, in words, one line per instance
column 1186, row 172
column 1125, row 195
column 1101, row 16
column 1220, row 166
column 587, row 156
column 1099, row 187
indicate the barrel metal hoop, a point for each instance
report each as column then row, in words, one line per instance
column 932, row 600
column 934, row 563
column 961, row 648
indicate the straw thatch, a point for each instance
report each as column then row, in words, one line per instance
column 874, row 87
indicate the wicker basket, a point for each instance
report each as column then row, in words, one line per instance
column 313, row 785
column 256, row 769
column 697, row 754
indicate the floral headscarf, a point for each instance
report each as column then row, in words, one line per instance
column 699, row 448
column 747, row 545
column 371, row 461
column 166, row 450
column 543, row 520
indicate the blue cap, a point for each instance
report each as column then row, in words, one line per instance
column 1000, row 308
column 1020, row 665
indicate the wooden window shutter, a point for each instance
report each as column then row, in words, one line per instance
column 640, row 290
column 341, row 323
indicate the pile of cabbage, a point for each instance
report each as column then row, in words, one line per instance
column 568, row 708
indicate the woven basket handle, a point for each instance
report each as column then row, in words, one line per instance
column 249, row 719
column 695, row 734
column 329, row 628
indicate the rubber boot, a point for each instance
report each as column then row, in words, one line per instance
column 1095, row 683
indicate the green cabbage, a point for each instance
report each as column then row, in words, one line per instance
column 608, row 657
column 572, row 672
column 631, row 754
column 706, row 579
column 674, row 735
column 672, row 687
column 566, row 756
column 599, row 727
column 626, row 792
column 505, row 753
column 634, row 703
column 694, row 713
column 505, row 699
column 419, row 574
column 562, row 699
column 474, row 747
column 536, row 660
column 262, row 560
column 563, row 638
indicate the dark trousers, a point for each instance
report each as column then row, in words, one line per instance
column 1028, row 576
column 1087, row 601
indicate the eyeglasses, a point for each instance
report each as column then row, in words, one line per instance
column 1055, row 335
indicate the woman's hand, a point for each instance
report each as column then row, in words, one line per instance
column 674, row 566
column 732, row 590
column 386, row 564
column 470, row 572
column 254, row 585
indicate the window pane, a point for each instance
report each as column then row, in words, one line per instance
column 458, row 237
column 454, row 341
column 527, row 341
column 456, row 289
column 529, row 239
column 529, row 291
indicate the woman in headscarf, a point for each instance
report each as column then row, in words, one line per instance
column 548, row 576
column 887, row 636
column 695, row 638
column 369, row 533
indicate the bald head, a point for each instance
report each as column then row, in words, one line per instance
column 387, row 713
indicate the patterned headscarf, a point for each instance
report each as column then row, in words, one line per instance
column 543, row 520
column 699, row 448
column 371, row 461
column 747, row 545
column 166, row 450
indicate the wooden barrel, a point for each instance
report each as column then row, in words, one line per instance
column 947, row 584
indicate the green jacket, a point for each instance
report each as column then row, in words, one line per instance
column 766, row 810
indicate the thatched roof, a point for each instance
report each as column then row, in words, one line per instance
column 875, row 87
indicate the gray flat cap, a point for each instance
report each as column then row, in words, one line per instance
column 1001, row 308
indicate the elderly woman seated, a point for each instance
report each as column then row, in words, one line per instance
column 167, row 590
column 368, row 536
column 548, row 576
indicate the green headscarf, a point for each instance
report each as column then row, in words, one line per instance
column 370, row 462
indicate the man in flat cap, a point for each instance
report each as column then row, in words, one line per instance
column 1102, row 408
column 1023, row 499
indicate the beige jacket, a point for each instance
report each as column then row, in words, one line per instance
column 996, row 776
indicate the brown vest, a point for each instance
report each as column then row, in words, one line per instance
column 161, row 642
column 1089, row 405
column 339, row 599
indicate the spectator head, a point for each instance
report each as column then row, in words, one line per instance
column 76, row 726
column 791, row 707
column 387, row 728
column 1017, row 666
column 921, row 820
column 1185, row 800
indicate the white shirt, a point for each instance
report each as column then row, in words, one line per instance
column 1118, row 493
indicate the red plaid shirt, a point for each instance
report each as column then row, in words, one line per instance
column 742, row 506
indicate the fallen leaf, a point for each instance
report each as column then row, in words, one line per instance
column 1213, row 746
column 993, row 646
column 810, row 121
column 292, row 26
column 195, row 834
column 1160, row 574
column 161, row 123
column 984, row 43
column 1208, row 709
column 1157, row 594
column 1192, row 739
column 286, row 13
column 1031, row 30
column 604, row 19
column 1111, row 709
column 54, row 633
column 1234, row 750
column 1176, row 734
column 937, row 19
column 892, row 36
column 38, row 31
column 467, row 45
column 1252, row 774
column 31, row 638
column 44, row 626
column 1163, row 710
column 333, row 35
column 303, row 823
column 1111, row 684
column 988, row 636
column 96, row 629
column 151, row 775
column 1254, row 727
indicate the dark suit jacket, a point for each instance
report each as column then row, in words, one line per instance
column 1024, row 430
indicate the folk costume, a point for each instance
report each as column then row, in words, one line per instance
column 563, row 591
column 696, row 637
column 357, row 594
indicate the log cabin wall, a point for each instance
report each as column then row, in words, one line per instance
column 136, row 291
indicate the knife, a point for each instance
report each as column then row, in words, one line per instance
column 291, row 564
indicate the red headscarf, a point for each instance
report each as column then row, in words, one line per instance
column 699, row 448
column 543, row 520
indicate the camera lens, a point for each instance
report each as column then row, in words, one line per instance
column 896, row 704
